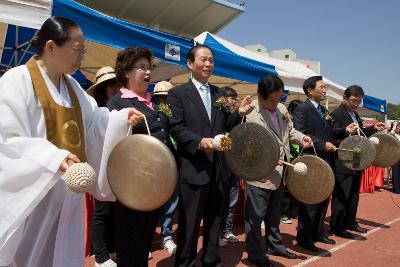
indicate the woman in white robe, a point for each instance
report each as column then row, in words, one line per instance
column 42, row 222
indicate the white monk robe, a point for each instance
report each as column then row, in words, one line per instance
column 41, row 221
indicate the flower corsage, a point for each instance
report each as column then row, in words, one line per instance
column 221, row 102
column 286, row 117
column 164, row 108
column 328, row 117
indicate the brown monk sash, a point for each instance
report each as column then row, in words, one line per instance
column 64, row 126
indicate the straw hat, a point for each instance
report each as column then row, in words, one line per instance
column 102, row 75
column 162, row 88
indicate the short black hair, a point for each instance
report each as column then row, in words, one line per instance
column 229, row 92
column 293, row 105
column 269, row 84
column 353, row 90
column 311, row 83
column 56, row 29
column 192, row 52
column 126, row 59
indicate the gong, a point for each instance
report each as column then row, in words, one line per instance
column 358, row 152
column 142, row 172
column 314, row 187
column 387, row 151
column 254, row 152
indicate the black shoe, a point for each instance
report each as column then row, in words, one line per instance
column 261, row 262
column 286, row 254
column 326, row 240
column 309, row 247
column 357, row 229
column 345, row 234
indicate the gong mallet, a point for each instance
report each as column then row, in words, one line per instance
column 355, row 150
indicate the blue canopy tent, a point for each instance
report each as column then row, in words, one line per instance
column 100, row 29
column 17, row 51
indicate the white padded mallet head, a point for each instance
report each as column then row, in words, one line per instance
column 300, row 168
column 80, row 177
column 217, row 142
column 374, row 140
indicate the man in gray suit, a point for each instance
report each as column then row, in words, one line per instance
column 263, row 196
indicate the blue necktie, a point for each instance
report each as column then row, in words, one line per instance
column 319, row 108
column 205, row 96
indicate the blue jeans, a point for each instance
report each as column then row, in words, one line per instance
column 167, row 215
column 227, row 225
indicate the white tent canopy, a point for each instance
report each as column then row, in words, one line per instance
column 27, row 13
column 292, row 73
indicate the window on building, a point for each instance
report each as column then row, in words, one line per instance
column 287, row 57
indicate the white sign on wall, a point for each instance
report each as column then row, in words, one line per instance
column 173, row 52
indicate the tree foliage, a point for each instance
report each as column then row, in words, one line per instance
column 393, row 111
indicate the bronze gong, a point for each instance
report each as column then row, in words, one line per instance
column 142, row 172
column 387, row 151
column 314, row 187
column 254, row 153
column 358, row 152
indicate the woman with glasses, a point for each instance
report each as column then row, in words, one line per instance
column 48, row 122
column 135, row 229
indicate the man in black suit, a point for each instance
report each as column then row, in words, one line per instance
column 203, row 179
column 310, row 118
column 345, row 195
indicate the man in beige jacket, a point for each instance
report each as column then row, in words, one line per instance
column 263, row 196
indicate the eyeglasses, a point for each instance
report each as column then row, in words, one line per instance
column 355, row 101
column 143, row 67
column 79, row 50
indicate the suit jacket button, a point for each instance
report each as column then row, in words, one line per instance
column 158, row 119
column 162, row 130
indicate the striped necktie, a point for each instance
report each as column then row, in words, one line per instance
column 319, row 108
column 205, row 96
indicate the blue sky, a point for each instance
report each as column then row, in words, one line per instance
column 357, row 42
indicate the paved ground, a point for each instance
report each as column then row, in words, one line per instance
column 379, row 212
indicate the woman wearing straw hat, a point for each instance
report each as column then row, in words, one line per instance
column 102, row 227
column 105, row 87
column 160, row 96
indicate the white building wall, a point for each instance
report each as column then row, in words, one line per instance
column 285, row 54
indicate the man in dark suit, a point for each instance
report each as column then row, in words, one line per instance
column 345, row 195
column 203, row 179
column 310, row 119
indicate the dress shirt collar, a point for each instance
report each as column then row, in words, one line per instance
column 126, row 93
column 198, row 84
column 315, row 103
